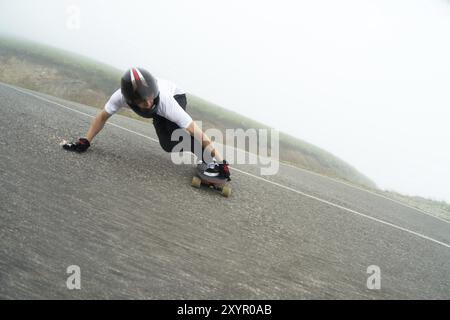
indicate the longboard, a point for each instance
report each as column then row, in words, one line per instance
column 215, row 183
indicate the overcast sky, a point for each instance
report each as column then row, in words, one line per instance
column 366, row 80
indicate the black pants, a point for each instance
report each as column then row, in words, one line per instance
column 164, row 129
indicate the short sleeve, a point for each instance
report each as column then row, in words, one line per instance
column 171, row 110
column 115, row 103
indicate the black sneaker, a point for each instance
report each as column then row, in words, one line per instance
column 212, row 170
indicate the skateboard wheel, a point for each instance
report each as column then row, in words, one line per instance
column 196, row 182
column 226, row 191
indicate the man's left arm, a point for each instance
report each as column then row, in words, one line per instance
column 195, row 131
column 175, row 113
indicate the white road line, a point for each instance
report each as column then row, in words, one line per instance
column 80, row 112
column 344, row 208
column 366, row 190
column 354, row 187
column 262, row 179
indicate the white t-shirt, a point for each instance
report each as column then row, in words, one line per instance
column 168, row 107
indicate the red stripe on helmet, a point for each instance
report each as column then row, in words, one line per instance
column 137, row 78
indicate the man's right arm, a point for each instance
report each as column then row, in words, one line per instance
column 115, row 102
column 84, row 143
column 97, row 124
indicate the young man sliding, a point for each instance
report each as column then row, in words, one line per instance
column 163, row 101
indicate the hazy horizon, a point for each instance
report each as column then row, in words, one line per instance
column 367, row 81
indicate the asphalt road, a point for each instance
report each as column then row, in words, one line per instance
column 128, row 217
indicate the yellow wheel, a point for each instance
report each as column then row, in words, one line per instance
column 226, row 191
column 196, row 182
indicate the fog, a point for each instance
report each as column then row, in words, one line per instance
column 366, row 80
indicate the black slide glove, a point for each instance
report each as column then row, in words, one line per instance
column 224, row 170
column 80, row 146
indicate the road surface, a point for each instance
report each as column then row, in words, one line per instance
column 128, row 217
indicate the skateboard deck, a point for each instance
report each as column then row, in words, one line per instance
column 215, row 183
